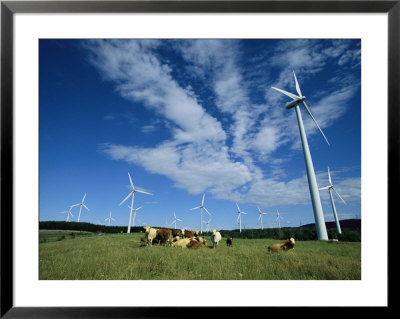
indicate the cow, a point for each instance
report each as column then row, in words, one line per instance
column 229, row 242
column 164, row 236
column 285, row 246
column 215, row 237
column 150, row 234
column 194, row 244
column 177, row 232
column 201, row 240
column 181, row 242
column 190, row 233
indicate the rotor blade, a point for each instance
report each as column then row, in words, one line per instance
column 259, row 210
column 139, row 208
column 207, row 211
column 130, row 180
column 238, row 207
column 112, row 218
column 326, row 187
column 74, row 205
column 179, row 220
column 202, row 201
column 309, row 112
column 291, row 95
column 85, row 206
column 84, row 196
column 143, row 192
column 338, row 195
column 129, row 195
column 238, row 218
column 243, row 213
column 196, row 207
column 329, row 176
column 297, row 85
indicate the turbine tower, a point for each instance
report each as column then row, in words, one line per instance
column 109, row 218
column 239, row 219
column 260, row 213
column 201, row 213
column 312, row 181
column 80, row 208
column 175, row 220
column 132, row 195
column 330, row 188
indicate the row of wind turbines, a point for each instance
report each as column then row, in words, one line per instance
column 312, row 182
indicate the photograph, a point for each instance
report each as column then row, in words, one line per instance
column 199, row 159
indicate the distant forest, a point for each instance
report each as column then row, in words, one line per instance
column 351, row 230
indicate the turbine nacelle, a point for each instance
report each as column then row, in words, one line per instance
column 295, row 102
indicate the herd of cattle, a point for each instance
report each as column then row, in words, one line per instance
column 191, row 239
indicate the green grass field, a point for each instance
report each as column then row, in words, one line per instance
column 124, row 257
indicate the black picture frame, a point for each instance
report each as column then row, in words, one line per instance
column 9, row 8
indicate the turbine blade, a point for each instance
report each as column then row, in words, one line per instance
column 84, row 196
column 196, row 207
column 138, row 208
column 129, row 195
column 130, row 180
column 291, row 95
column 309, row 112
column 143, row 192
column 238, row 207
column 338, row 195
column 326, row 187
column 85, row 206
column 329, row 176
column 202, row 201
column 297, row 85
column 207, row 211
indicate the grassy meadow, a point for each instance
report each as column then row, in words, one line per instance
column 65, row 255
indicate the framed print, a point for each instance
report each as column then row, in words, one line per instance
column 259, row 138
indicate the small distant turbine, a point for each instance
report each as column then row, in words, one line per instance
column 330, row 188
column 69, row 214
column 175, row 220
column 80, row 207
column 109, row 218
column 260, row 213
column 312, row 181
column 201, row 207
column 132, row 195
column 208, row 225
column 239, row 219
column 278, row 218
column 134, row 214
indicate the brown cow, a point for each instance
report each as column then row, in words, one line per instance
column 190, row 233
column 194, row 244
column 229, row 242
column 287, row 245
column 163, row 236
column 177, row 232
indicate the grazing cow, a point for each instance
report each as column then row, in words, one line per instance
column 287, row 245
column 150, row 234
column 229, row 242
column 215, row 237
column 182, row 242
column 164, row 235
column 177, row 232
column 190, row 233
column 194, row 244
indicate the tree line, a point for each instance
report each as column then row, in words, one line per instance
column 299, row 233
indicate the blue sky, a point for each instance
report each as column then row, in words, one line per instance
column 187, row 117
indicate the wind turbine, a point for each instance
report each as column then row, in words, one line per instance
column 312, row 181
column 330, row 188
column 68, row 212
column 80, row 208
column 109, row 219
column 132, row 195
column 260, row 216
column 278, row 218
column 201, row 213
column 208, row 225
column 175, row 220
column 239, row 219
column 134, row 214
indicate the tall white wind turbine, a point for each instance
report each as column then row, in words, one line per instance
column 208, row 225
column 330, row 188
column 175, row 220
column 239, row 219
column 278, row 218
column 260, row 213
column 312, row 181
column 80, row 207
column 109, row 218
column 201, row 207
column 132, row 195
